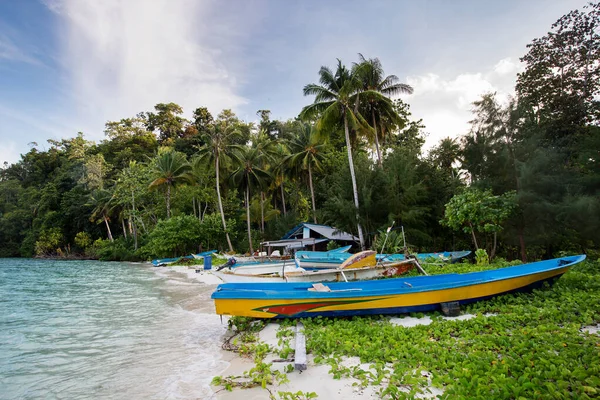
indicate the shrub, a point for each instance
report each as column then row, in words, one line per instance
column 176, row 236
column 481, row 257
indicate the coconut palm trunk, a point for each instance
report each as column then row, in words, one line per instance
column 168, row 200
column 353, row 176
column 110, row 236
column 262, row 212
column 283, row 198
column 248, row 218
column 221, row 205
column 312, row 194
column 376, row 138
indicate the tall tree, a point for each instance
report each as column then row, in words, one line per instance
column 170, row 169
column 100, row 200
column 218, row 144
column 248, row 176
column 306, row 153
column 379, row 108
column 335, row 103
column 167, row 121
column 561, row 80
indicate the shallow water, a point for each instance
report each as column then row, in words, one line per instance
column 88, row 329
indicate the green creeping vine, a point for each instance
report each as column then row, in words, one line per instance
column 532, row 348
column 246, row 343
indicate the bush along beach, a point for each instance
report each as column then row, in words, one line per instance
column 539, row 345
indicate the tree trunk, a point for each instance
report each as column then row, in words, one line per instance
column 312, row 194
column 376, row 138
column 221, row 205
column 133, row 213
column 474, row 238
column 143, row 224
column 493, row 253
column 262, row 212
column 354, row 188
column 194, row 205
column 134, row 233
column 283, row 198
column 110, row 237
column 200, row 211
column 522, row 243
column 248, row 218
column 124, row 230
column 168, row 201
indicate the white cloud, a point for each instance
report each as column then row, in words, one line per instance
column 123, row 57
column 506, row 66
column 8, row 152
column 445, row 104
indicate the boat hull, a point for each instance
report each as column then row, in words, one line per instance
column 392, row 296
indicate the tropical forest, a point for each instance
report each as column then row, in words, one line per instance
column 522, row 183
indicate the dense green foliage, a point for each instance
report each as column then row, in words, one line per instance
column 353, row 159
column 518, row 346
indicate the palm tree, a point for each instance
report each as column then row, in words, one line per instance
column 445, row 154
column 336, row 100
column 101, row 201
column 265, row 144
column 170, row 169
column 218, row 144
column 280, row 170
column 373, row 79
column 305, row 149
column 249, row 175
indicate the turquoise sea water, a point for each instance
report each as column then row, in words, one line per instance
column 90, row 330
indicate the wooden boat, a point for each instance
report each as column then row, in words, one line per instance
column 360, row 266
column 310, row 260
column 265, row 266
column 166, row 261
column 386, row 296
column 257, row 260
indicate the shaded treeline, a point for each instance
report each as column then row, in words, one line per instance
column 523, row 182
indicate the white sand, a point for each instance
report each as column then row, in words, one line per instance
column 315, row 379
column 591, row 329
column 409, row 322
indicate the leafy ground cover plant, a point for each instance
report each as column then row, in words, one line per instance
column 533, row 347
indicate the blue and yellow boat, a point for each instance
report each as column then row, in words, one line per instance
column 388, row 296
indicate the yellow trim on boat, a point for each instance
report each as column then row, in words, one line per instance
column 248, row 307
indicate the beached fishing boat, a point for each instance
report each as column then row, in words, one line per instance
column 313, row 260
column 266, row 266
column 386, row 296
column 360, row 266
column 161, row 262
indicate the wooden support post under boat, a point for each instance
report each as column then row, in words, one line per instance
column 451, row 309
column 300, row 356
column 421, row 270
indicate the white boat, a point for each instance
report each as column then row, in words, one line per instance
column 361, row 266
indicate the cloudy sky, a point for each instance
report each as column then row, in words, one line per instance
column 70, row 65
